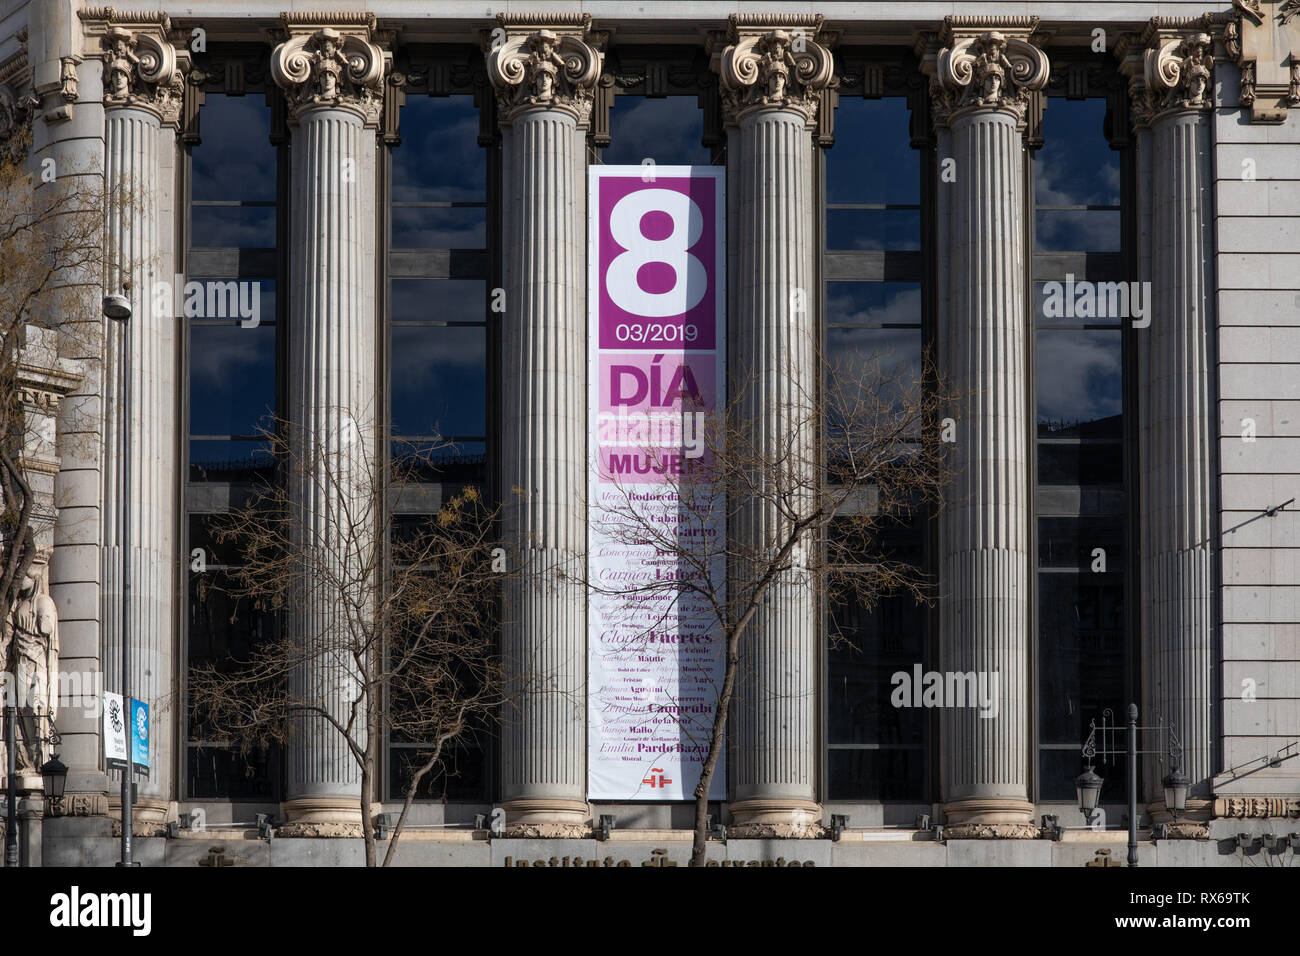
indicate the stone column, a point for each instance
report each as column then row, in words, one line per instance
column 333, row 81
column 982, row 83
column 1173, row 98
column 772, row 107
column 544, row 114
column 143, row 79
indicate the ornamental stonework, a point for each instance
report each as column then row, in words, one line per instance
column 532, row 69
column 992, row 69
column 773, row 68
column 1257, row 808
column 331, row 69
column 1263, row 39
column 1178, row 74
column 141, row 70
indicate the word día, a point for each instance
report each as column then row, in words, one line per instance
column 1098, row 300
column 946, row 689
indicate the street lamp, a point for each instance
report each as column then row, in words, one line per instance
column 1175, row 785
column 1088, row 787
column 118, row 308
column 1088, row 784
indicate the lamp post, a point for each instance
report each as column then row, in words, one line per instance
column 1088, row 784
column 118, row 309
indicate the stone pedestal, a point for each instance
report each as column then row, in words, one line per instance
column 543, row 441
column 984, row 342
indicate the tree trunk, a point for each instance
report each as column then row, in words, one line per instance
column 716, row 739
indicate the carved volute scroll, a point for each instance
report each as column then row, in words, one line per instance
column 776, row 68
column 544, row 69
column 991, row 70
column 327, row 68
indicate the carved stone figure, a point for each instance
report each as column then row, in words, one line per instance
column 329, row 66
column 775, row 63
column 1197, row 67
column 991, row 67
column 119, row 68
column 765, row 70
column 544, row 68
column 990, row 70
column 34, row 630
column 1179, row 70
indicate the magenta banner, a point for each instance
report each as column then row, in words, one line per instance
column 657, row 312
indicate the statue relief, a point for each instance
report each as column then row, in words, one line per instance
column 990, row 70
column 328, row 68
column 543, row 69
column 1178, row 71
column 33, row 647
column 991, row 67
column 768, row 70
column 120, row 65
column 140, row 70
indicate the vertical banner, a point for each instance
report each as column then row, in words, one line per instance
column 656, row 353
column 140, row 736
column 115, row 735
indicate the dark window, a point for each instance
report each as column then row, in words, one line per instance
column 873, row 338
column 1080, row 297
column 230, row 309
column 666, row 130
column 438, row 359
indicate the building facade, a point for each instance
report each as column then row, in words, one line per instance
column 1089, row 211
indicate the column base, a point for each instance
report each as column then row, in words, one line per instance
column 148, row 815
column 323, row 817
column 767, row 818
column 989, row 818
column 543, row 818
column 1197, row 815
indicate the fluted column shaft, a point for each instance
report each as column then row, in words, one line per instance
column 134, row 142
column 1177, row 449
column 331, row 414
column 543, row 456
column 772, row 359
column 984, row 542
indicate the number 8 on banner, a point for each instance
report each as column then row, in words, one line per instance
column 690, row 282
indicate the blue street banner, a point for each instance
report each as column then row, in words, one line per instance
column 140, row 736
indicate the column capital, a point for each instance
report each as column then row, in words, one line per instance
column 985, row 63
column 1176, row 69
column 773, row 64
column 544, row 62
column 143, row 67
column 326, row 63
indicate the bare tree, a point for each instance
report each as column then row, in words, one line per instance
column 810, row 482
column 408, row 638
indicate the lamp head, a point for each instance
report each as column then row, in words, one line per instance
column 117, row 308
